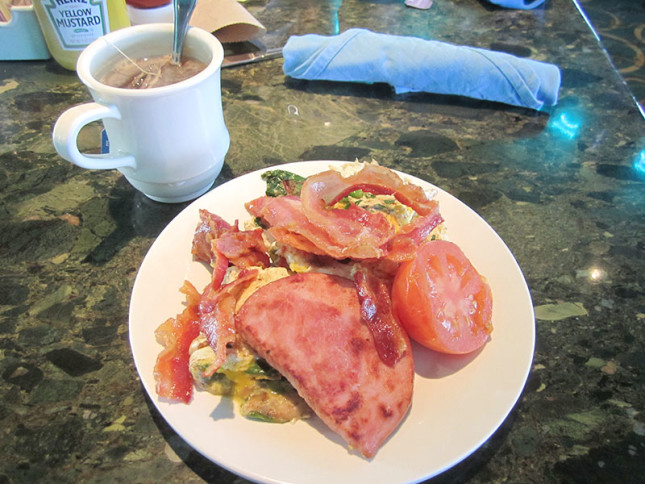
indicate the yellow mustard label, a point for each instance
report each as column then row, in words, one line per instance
column 77, row 22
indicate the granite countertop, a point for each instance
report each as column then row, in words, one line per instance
column 563, row 187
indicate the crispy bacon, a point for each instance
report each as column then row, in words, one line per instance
column 403, row 246
column 210, row 227
column 309, row 223
column 217, row 312
column 295, row 240
column 215, row 238
column 285, row 213
column 220, row 266
column 211, row 313
column 330, row 186
column 390, row 339
column 171, row 372
column 358, row 227
column 244, row 248
column 288, row 224
column 349, row 228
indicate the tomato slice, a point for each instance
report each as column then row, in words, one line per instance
column 442, row 301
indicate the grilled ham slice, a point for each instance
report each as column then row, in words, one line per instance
column 309, row 327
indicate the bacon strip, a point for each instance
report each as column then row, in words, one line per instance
column 215, row 238
column 390, row 339
column 351, row 229
column 308, row 223
column 289, row 225
column 244, row 248
column 171, row 372
column 330, row 186
column 210, row 227
column 362, row 227
column 403, row 246
column 220, row 266
column 217, row 313
column 296, row 241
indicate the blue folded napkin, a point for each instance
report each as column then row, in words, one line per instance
column 521, row 4
column 410, row 64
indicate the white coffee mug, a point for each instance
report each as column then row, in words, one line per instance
column 170, row 141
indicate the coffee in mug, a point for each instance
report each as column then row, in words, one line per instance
column 150, row 72
column 169, row 141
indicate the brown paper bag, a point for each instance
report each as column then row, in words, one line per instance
column 227, row 19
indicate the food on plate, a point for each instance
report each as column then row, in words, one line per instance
column 223, row 364
column 306, row 311
column 442, row 301
column 324, row 349
column 263, row 393
column 174, row 381
column 322, row 220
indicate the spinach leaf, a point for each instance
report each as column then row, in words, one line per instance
column 282, row 182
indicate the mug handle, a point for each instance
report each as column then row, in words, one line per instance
column 69, row 125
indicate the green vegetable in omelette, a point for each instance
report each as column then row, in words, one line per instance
column 282, row 182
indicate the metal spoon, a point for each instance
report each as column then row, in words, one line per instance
column 183, row 11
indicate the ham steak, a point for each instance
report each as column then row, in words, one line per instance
column 309, row 327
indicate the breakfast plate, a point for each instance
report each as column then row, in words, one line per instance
column 458, row 401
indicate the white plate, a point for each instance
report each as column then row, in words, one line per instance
column 458, row 402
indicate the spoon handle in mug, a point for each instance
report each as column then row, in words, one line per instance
column 183, row 12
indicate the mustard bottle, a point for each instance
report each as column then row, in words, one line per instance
column 70, row 25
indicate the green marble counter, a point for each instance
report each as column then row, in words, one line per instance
column 564, row 188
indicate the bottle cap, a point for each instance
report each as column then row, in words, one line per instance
column 147, row 3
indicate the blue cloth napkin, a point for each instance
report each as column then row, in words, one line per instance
column 521, row 4
column 410, row 64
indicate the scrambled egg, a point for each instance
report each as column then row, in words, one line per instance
column 261, row 392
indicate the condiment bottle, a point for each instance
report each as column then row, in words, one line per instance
column 70, row 25
column 150, row 11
